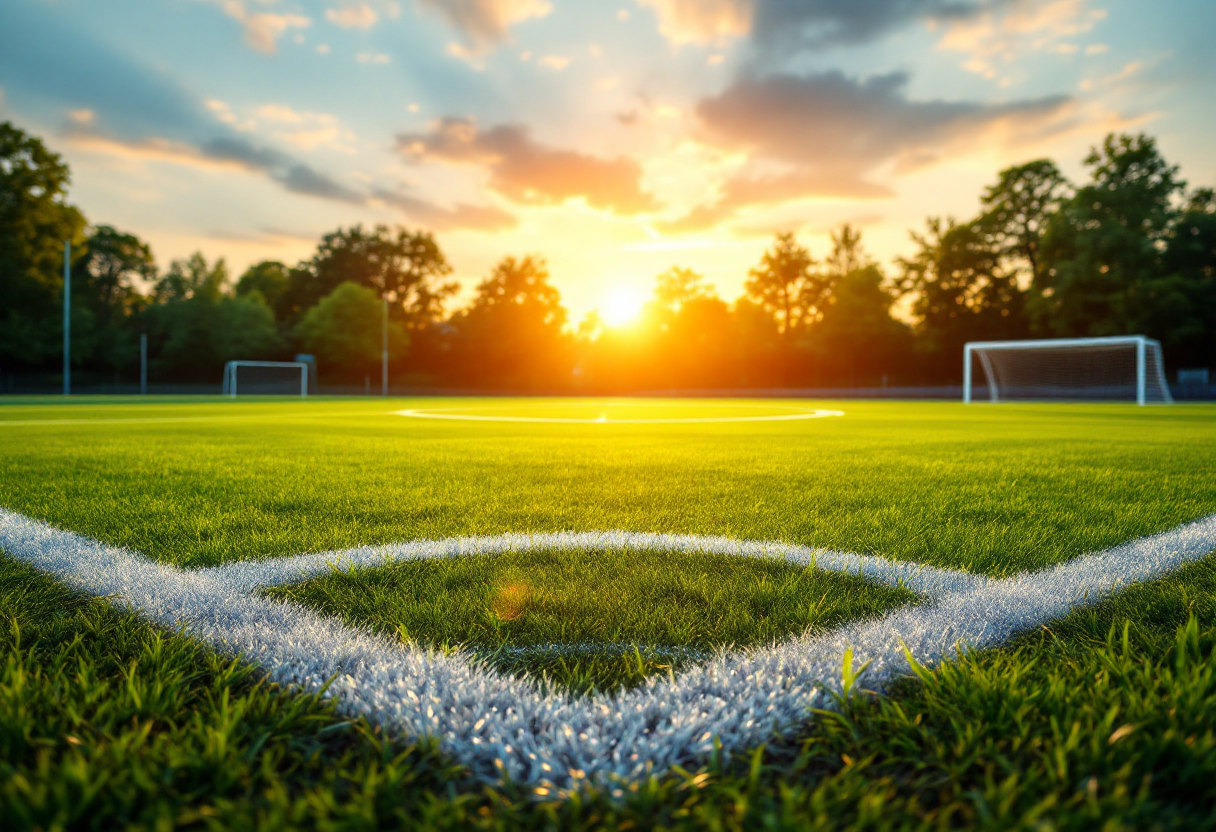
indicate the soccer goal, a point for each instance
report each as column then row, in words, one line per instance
column 266, row 378
column 1128, row 368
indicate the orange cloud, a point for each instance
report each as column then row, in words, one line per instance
column 528, row 172
column 826, row 135
column 702, row 21
column 483, row 24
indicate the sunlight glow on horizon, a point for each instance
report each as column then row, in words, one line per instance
column 622, row 306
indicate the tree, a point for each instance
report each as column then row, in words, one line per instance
column 1017, row 210
column 960, row 291
column 107, row 283
column 344, row 332
column 1189, row 336
column 35, row 220
column 406, row 267
column 512, row 334
column 785, row 284
column 862, row 341
column 848, row 255
column 857, row 338
column 196, row 326
column 192, row 277
column 1103, row 270
column 268, row 278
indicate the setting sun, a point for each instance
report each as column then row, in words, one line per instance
column 622, row 306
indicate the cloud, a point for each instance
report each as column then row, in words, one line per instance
column 461, row 216
column 702, row 21
column 262, row 29
column 792, row 25
column 1000, row 36
column 483, row 24
column 524, row 171
column 781, row 27
column 827, row 134
column 307, row 130
column 355, row 16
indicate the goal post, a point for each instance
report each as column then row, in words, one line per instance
column 1121, row 368
column 285, row 374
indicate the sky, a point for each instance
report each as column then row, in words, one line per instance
column 616, row 138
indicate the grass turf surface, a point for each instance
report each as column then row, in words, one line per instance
column 992, row 489
column 106, row 721
column 594, row 621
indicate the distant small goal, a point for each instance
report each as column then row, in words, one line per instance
column 1126, row 368
column 265, row 378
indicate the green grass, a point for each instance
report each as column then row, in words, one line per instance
column 1102, row 720
column 994, row 489
column 619, row 609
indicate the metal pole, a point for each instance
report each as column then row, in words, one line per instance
column 304, row 381
column 67, row 318
column 384, row 353
column 1140, row 371
column 967, row 374
column 143, row 363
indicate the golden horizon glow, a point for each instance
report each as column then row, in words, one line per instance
column 622, row 306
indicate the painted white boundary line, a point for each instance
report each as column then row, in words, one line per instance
column 469, row 417
column 247, row 576
column 504, row 727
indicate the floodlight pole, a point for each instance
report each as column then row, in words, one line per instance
column 67, row 317
column 384, row 352
column 143, row 363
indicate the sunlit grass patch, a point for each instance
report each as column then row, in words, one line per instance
column 594, row 620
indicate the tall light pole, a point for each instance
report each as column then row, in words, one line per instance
column 67, row 318
column 384, row 352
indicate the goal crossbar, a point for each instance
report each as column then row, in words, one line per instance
column 230, row 373
column 1144, row 347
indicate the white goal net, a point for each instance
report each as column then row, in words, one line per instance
column 1077, row 369
column 265, row 378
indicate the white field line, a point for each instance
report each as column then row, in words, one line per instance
column 504, row 727
column 247, row 576
column 604, row 420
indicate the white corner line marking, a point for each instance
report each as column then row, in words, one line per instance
column 604, row 420
column 506, row 727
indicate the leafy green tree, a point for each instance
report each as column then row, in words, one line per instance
column 269, row 278
column 35, row 220
column 786, row 285
column 345, row 332
column 196, row 325
column 1104, row 272
column 192, row 277
column 960, row 292
column 406, row 267
column 513, row 333
column 1017, row 210
column 1190, row 259
column 107, row 284
column 857, row 341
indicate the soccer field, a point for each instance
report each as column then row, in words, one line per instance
column 715, row 549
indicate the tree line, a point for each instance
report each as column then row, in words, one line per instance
column 1128, row 251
